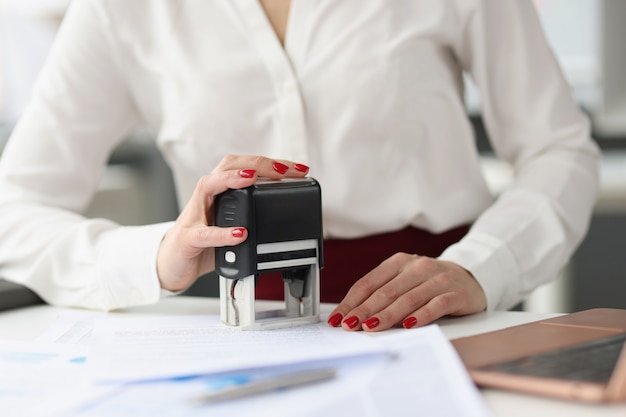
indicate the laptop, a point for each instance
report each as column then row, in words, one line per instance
column 579, row 356
column 14, row 295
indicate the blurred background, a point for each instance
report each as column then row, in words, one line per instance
column 589, row 40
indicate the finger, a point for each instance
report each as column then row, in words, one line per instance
column 373, row 280
column 436, row 308
column 419, row 281
column 210, row 186
column 375, row 291
column 294, row 169
column 202, row 237
column 216, row 183
column 266, row 167
column 388, row 305
column 358, row 293
column 423, row 304
column 440, row 286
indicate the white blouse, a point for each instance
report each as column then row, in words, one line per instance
column 368, row 93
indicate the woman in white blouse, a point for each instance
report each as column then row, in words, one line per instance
column 365, row 96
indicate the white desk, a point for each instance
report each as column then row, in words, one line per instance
column 28, row 323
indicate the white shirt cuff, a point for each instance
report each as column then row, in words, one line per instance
column 128, row 266
column 493, row 266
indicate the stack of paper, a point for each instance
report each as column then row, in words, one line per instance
column 151, row 365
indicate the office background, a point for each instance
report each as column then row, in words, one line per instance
column 589, row 39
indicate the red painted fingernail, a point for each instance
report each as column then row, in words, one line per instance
column 238, row 232
column 371, row 323
column 351, row 322
column 335, row 319
column 409, row 322
column 280, row 168
column 247, row 173
column 301, row 167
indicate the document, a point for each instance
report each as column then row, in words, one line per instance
column 178, row 396
column 421, row 376
column 417, row 373
column 425, row 378
column 143, row 348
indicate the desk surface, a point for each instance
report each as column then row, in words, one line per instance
column 28, row 323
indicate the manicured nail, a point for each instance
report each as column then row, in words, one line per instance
column 371, row 323
column 301, row 167
column 335, row 319
column 351, row 322
column 247, row 173
column 409, row 322
column 280, row 168
column 238, row 232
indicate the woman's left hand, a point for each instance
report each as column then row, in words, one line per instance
column 409, row 289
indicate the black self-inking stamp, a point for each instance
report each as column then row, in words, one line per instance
column 284, row 223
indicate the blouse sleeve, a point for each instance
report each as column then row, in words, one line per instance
column 80, row 110
column 528, row 235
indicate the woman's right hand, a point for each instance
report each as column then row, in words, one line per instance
column 187, row 250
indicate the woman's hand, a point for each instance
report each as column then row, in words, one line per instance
column 409, row 289
column 187, row 250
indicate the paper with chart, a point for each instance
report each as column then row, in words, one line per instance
column 41, row 379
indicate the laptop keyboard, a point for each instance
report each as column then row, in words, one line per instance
column 590, row 361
